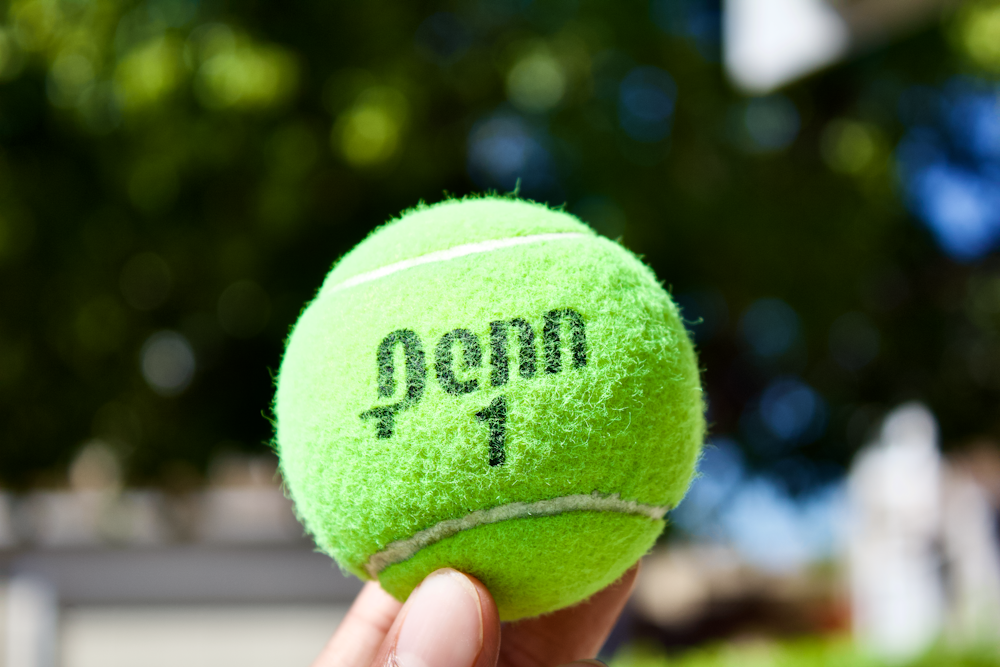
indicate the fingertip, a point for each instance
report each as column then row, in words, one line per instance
column 450, row 620
column 491, row 621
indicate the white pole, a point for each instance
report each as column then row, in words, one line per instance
column 31, row 614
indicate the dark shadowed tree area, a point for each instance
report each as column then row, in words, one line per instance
column 176, row 177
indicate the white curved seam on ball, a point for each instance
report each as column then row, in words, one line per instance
column 400, row 550
column 450, row 254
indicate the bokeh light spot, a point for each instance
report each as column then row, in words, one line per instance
column 771, row 123
column 646, row 99
column 69, row 77
column 95, row 468
column 848, row 146
column 961, row 208
column 792, row 411
column 173, row 13
column 237, row 73
column 697, row 20
column 99, row 108
column 980, row 34
column 149, row 73
column 501, row 146
column 536, row 82
column 503, row 151
column 949, row 166
column 370, row 132
column 973, row 120
column 773, row 531
column 167, row 363
column 720, row 472
column 35, row 22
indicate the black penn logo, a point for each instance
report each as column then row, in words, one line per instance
column 459, row 351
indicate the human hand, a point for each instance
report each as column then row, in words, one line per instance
column 450, row 620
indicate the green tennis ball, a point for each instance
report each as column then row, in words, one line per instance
column 487, row 384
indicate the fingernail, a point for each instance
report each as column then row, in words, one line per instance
column 443, row 626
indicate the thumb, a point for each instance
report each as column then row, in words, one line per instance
column 450, row 620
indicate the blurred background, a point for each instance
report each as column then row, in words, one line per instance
column 816, row 181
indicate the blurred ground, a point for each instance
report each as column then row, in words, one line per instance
column 202, row 636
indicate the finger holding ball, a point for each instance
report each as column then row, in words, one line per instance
column 488, row 385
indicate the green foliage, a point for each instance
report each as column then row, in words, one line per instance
column 196, row 168
column 811, row 652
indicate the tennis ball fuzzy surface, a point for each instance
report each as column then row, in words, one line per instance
column 489, row 385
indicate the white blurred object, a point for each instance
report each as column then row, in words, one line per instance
column 768, row 43
column 93, row 517
column 248, row 515
column 970, row 542
column 94, row 510
column 244, row 503
column 167, row 362
column 8, row 538
column 200, row 636
column 63, row 518
column 894, row 491
column 95, row 468
column 28, row 623
column 677, row 584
